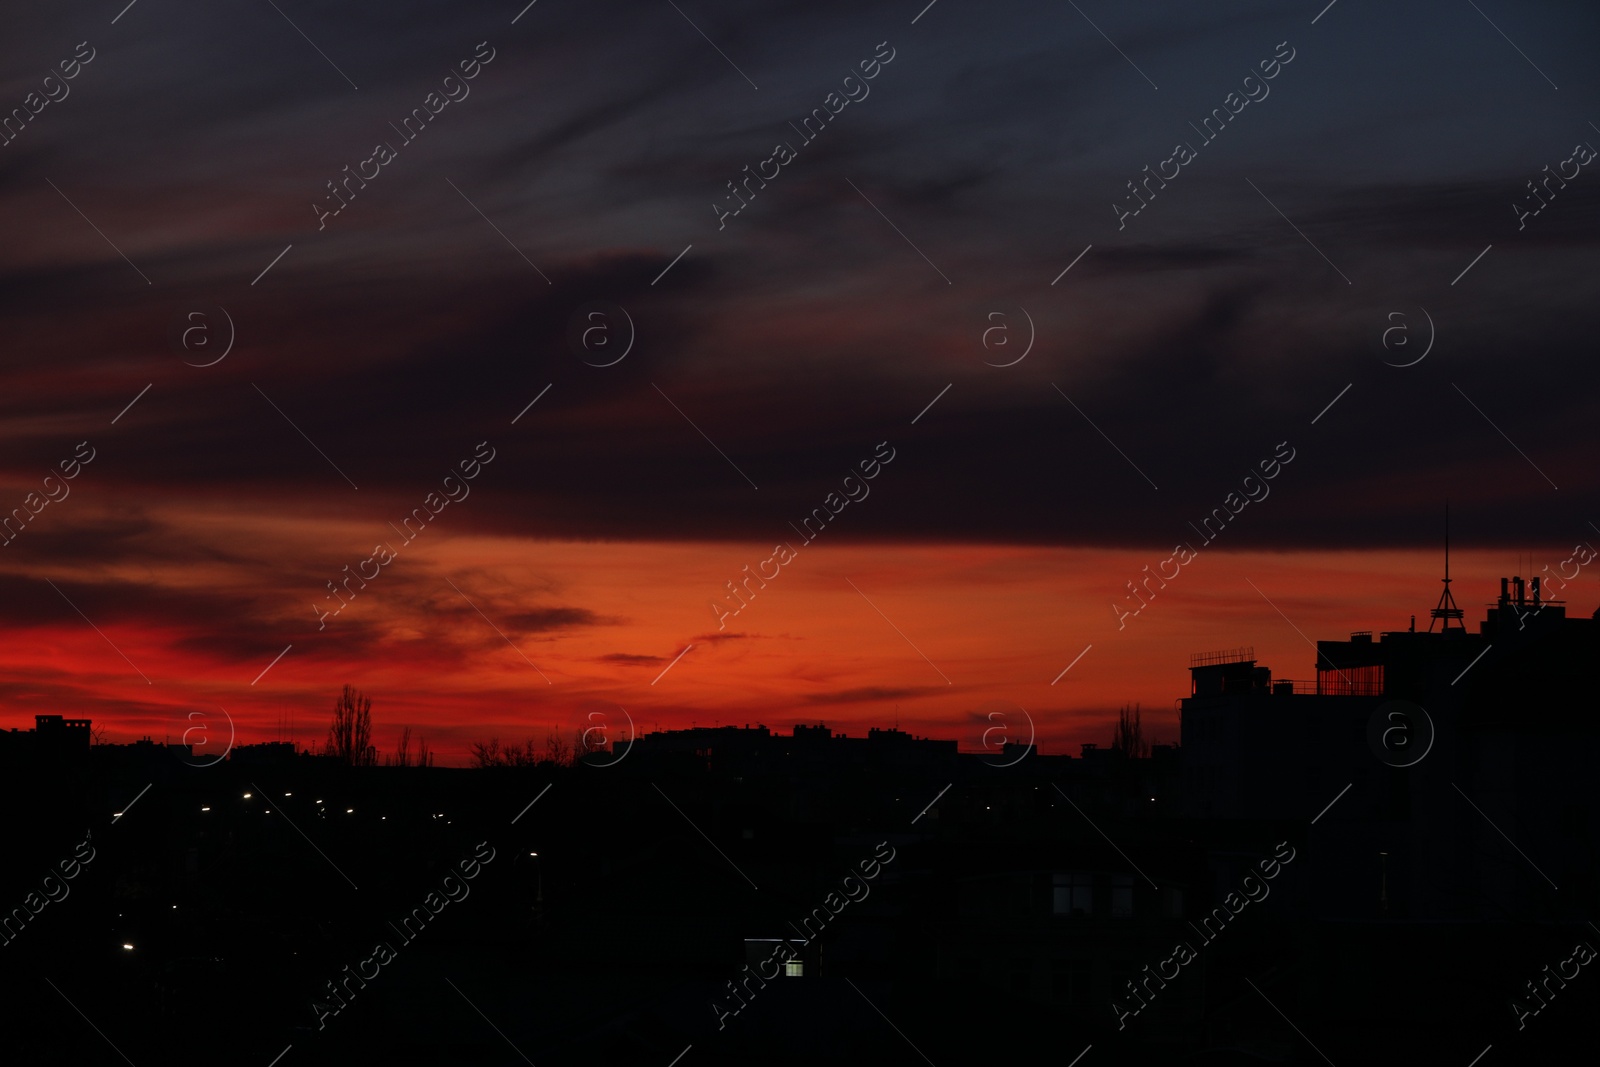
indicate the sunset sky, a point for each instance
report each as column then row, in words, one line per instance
column 906, row 250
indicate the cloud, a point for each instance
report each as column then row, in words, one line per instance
column 867, row 694
column 789, row 343
column 540, row 620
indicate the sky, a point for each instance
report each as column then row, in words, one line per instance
column 254, row 377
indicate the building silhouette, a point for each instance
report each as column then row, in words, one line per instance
column 1438, row 745
column 53, row 741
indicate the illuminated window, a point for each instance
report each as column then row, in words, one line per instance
column 793, row 968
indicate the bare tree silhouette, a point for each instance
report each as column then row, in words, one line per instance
column 1129, row 738
column 492, row 753
column 402, row 752
column 350, row 735
column 556, row 750
column 487, row 753
column 587, row 742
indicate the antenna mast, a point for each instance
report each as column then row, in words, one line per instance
column 1446, row 610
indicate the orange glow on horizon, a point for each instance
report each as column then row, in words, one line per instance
column 587, row 625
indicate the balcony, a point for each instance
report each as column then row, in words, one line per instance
column 1243, row 654
column 1330, row 686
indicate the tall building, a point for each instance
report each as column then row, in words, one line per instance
column 1420, row 762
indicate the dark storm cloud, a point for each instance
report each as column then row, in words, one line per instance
column 106, row 540
column 595, row 119
column 408, row 331
column 1137, row 259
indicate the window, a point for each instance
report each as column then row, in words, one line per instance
column 1070, row 982
column 1073, row 894
column 793, row 968
column 1021, row 976
column 1172, row 903
column 1122, row 896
